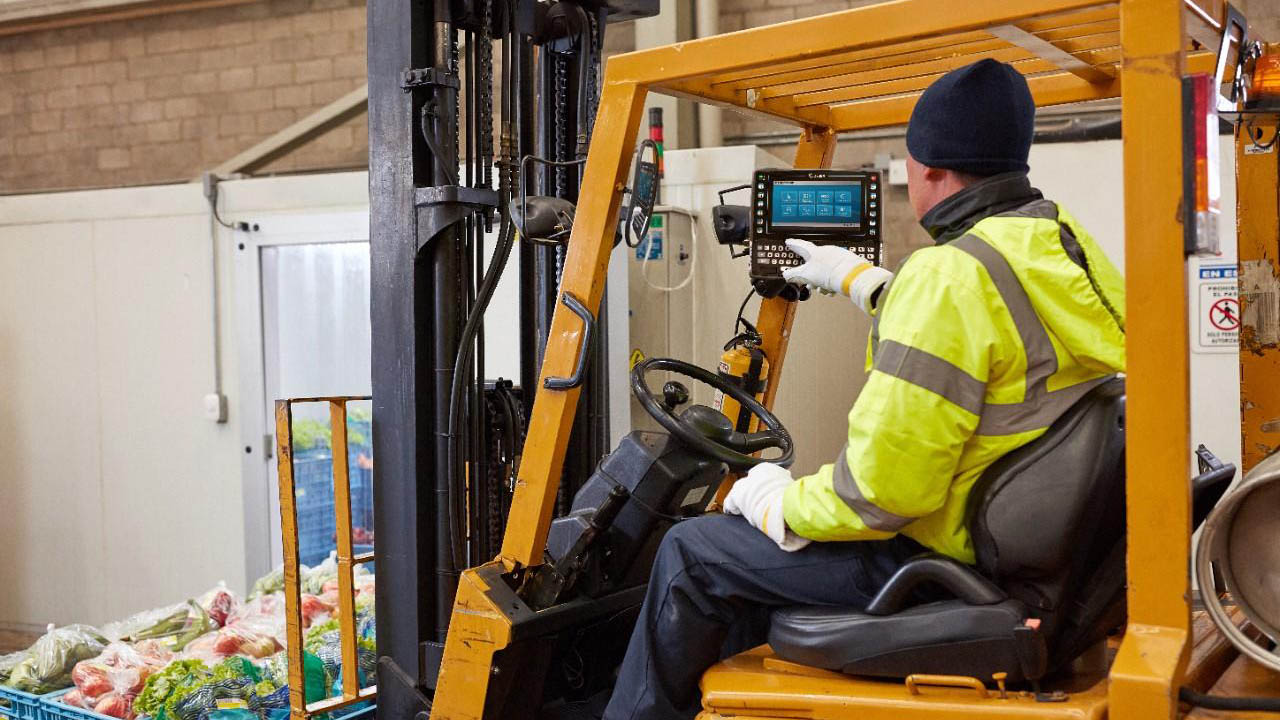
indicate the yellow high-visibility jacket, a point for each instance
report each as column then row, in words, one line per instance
column 979, row 344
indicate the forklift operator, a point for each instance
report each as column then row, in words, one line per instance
column 978, row 344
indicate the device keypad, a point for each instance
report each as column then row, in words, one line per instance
column 770, row 256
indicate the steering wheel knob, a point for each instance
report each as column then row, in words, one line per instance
column 674, row 394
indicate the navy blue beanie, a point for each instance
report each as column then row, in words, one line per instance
column 977, row 119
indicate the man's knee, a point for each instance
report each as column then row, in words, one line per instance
column 702, row 538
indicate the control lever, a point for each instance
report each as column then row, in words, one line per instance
column 551, row 580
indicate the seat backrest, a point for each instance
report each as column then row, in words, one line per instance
column 1045, row 515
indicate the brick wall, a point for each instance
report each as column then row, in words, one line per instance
column 163, row 98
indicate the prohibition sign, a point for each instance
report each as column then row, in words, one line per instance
column 1225, row 314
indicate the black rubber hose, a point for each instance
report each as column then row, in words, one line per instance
column 497, row 264
column 1222, row 702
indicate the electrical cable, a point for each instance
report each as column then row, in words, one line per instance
column 742, row 309
column 1222, row 702
column 450, row 174
column 1255, row 135
column 693, row 251
column 484, row 294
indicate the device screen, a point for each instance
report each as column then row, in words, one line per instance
column 816, row 203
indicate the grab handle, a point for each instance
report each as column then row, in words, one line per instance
column 588, row 327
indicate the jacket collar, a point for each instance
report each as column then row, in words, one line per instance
column 953, row 217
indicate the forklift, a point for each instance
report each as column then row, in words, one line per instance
column 509, row 577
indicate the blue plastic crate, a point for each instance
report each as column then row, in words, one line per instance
column 52, row 708
column 313, row 483
column 19, row 705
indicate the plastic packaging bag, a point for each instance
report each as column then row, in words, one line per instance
column 51, row 659
column 272, row 582
column 263, row 615
column 231, row 641
column 313, row 579
column 9, row 661
column 219, row 603
column 113, row 679
column 173, row 625
column 315, row 610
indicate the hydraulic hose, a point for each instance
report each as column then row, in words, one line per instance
column 484, row 294
column 1222, row 702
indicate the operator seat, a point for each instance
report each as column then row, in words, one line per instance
column 1048, row 527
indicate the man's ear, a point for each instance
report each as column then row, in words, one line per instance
column 933, row 174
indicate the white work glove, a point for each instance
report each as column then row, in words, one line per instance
column 758, row 498
column 834, row 269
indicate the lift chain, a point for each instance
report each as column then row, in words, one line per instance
column 485, row 141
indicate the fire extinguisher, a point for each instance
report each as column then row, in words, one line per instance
column 744, row 365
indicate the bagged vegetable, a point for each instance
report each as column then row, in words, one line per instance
column 272, row 582
column 191, row 689
column 315, row 609
column 263, row 615
column 313, row 579
column 51, row 659
column 173, row 625
column 232, row 641
column 178, row 679
column 114, row 705
column 113, row 679
column 9, row 661
column 218, row 603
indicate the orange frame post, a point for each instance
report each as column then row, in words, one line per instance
column 1258, row 226
column 1153, row 655
column 299, row 708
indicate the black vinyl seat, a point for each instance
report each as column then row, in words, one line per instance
column 1047, row 522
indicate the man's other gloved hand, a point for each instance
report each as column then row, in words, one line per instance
column 758, row 498
column 836, row 270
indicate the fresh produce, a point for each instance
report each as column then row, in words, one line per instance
column 272, row 582
column 91, row 679
column 165, row 688
column 314, row 609
column 9, row 661
column 114, row 705
column 190, row 689
column 218, row 603
column 113, row 679
column 174, row 625
column 50, row 660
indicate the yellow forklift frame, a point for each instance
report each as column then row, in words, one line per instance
column 864, row 68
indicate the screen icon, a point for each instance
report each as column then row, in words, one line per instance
column 844, row 211
column 844, row 196
column 825, row 210
column 807, row 197
column 787, row 211
column 807, row 210
column 825, row 197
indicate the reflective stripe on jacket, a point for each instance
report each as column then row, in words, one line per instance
column 980, row 343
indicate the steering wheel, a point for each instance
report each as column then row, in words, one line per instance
column 705, row 429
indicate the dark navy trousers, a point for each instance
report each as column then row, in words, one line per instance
column 714, row 582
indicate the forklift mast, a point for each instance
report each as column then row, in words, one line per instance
column 446, row 158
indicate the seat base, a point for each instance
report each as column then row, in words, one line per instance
column 948, row 637
column 758, row 684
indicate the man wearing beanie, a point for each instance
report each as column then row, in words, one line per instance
column 978, row 344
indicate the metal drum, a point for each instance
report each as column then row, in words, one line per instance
column 1240, row 548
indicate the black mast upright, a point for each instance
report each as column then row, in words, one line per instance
column 426, row 236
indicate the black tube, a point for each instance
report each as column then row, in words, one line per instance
column 1220, row 702
column 474, row 318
